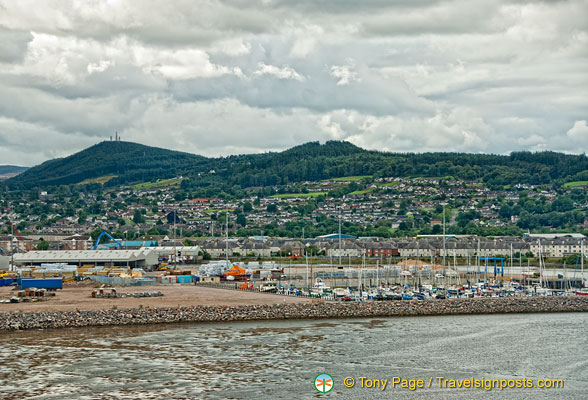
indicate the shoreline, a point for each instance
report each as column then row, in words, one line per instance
column 18, row 321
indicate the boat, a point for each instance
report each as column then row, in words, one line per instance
column 269, row 287
column 418, row 295
column 392, row 296
column 582, row 292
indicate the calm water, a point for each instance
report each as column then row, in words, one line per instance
column 281, row 359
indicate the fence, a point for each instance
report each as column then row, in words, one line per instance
column 117, row 281
column 284, row 292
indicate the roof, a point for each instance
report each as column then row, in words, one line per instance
column 554, row 235
column 132, row 243
column 336, row 236
column 83, row 255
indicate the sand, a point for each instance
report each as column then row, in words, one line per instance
column 77, row 297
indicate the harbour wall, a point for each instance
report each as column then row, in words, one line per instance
column 12, row 321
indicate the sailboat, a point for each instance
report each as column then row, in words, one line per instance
column 541, row 290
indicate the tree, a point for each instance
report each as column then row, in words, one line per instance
column 241, row 220
column 247, row 207
column 272, row 208
column 138, row 217
column 505, row 211
column 43, row 245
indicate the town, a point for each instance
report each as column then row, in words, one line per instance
column 384, row 208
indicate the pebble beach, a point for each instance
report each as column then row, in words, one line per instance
column 13, row 321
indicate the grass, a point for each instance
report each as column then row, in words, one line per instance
column 161, row 183
column 214, row 210
column 362, row 191
column 291, row 195
column 433, row 177
column 349, row 178
column 576, row 183
column 101, row 180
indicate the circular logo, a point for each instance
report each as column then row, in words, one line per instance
column 323, row 383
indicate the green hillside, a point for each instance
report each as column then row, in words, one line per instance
column 11, row 169
column 131, row 163
column 125, row 162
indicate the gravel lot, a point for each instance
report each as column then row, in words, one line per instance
column 76, row 296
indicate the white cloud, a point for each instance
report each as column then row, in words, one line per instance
column 579, row 133
column 99, row 66
column 482, row 76
column 285, row 72
column 345, row 73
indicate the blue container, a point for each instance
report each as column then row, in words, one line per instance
column 7, row 281
column 185, row 279
column 47, row 283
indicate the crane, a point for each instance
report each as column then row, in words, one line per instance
column 19, row 236
column 107, row 234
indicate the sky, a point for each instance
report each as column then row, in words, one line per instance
column 242, row 76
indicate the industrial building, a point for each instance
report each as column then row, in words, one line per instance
column 140, row 258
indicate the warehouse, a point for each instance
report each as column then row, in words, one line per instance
column 120, row 258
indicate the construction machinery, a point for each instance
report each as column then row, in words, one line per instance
column 106, row 234
column 19, row 236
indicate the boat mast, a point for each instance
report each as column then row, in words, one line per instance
column 443, row 239
column 582, row 261
column 540, row 265
column 511, row 262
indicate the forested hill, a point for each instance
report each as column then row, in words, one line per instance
column 312, row 162
column 110, row 161
column 116, row 163
column 11, row 169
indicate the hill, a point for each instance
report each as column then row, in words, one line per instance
column 116, row 163
column 110, row 161
column 9, row 171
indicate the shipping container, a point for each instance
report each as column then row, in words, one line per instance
column 7, row 281
column 49, row 283
column 167, row 279
column 184, row 279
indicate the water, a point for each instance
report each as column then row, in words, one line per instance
column 280, row 359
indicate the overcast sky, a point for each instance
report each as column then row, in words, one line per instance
column 239, row 76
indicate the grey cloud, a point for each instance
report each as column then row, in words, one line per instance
column 235, row 76
column 13, row 44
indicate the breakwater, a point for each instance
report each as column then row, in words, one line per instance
column 11, row 321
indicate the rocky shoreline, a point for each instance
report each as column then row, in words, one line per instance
column 13, row 321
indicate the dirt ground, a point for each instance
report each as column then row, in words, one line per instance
column 77, row 297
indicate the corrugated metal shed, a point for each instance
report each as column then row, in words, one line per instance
column 140, row 257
